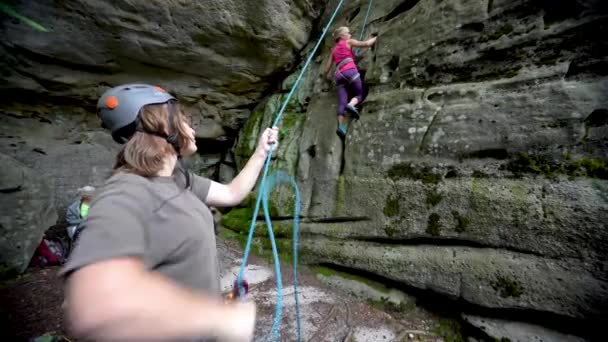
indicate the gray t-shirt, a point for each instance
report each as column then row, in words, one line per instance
column 157, row 219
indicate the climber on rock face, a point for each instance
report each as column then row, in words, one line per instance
column 347, row 77
column 146, row 267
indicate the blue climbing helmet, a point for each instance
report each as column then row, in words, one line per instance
column 118, row 107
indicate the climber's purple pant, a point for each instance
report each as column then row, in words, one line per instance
column 347, row 87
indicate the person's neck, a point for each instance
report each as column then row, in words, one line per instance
column 168, row 166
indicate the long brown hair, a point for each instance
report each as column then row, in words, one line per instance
column 145, row 152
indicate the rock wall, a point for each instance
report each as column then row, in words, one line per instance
column 62, row 146
column 26, row 210
column 478, row 169
column 218, row 57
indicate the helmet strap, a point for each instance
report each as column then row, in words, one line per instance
column 170, row 138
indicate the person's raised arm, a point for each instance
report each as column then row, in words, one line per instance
column 225, row 195
column 362, row 44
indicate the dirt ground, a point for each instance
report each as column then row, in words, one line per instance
column 31, row 306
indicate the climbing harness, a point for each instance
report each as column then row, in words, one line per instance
column 369, row 7
column 338, row 72
column 343, row 62
column 266, row 186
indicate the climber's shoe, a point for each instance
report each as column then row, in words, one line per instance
column 353, row 111
column 341, row 131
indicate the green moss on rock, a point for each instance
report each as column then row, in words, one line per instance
column 288, row 122
column 524, row 163
column 433, row 199
column 507, row 287
column 406, row 170
column 450, row 330
column 239, row 219
column 391, row 230
column 248, row 135
column 588, row 167
column 479, row 174
column 384, row 304
column 289, row 204
column 540, row 165
column 294, row 105
column 433, row 227
column 391, row 208
column 461, row 222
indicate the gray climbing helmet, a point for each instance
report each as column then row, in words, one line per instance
column 119, row 107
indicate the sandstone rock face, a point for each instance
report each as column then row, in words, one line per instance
column 62, row 148
column 219, row 57
column 26, row 211
column 478, row 170
column 516, row 331
column 479, row 163
column 490, row 278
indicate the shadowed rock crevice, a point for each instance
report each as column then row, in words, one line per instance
column 455, row 307
column 402, row 8
column 430, row 241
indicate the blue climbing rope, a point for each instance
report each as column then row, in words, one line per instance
column 263, row 193
column 275, row 179
column 369, row 7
